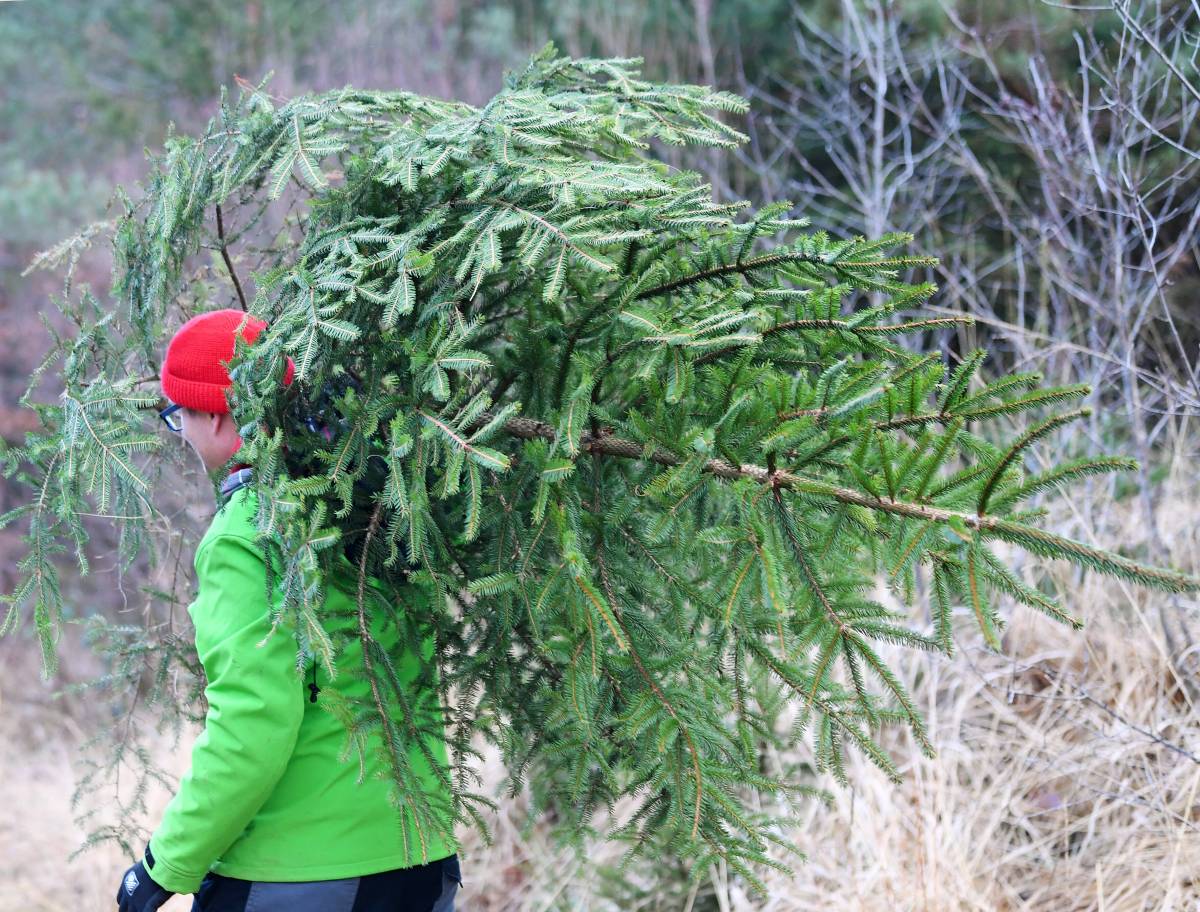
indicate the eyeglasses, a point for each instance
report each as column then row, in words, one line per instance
column 171, row 419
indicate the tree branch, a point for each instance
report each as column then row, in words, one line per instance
column 228, row 262
column 1037, row 540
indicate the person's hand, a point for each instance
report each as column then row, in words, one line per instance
column 138, row 891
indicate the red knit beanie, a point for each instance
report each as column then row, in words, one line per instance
column 194, row 372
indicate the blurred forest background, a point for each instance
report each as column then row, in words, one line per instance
column 1049, row 156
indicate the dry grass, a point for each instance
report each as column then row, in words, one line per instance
column 1067, row 778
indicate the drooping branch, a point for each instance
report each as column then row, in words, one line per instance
column 364, row 635
column 845, row 325
column 777, row 259
column 762, row 262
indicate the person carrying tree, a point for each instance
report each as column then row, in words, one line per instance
column 635, row 460
column 270, row 814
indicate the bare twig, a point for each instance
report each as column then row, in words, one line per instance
column 237, row 285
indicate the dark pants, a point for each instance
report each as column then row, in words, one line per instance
column 424, row 888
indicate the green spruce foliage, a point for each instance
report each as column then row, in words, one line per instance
column 652, row 452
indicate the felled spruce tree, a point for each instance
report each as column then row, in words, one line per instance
column 651, row 462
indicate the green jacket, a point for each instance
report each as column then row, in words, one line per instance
column 273, row 791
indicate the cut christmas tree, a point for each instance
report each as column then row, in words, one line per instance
column 652, row 453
